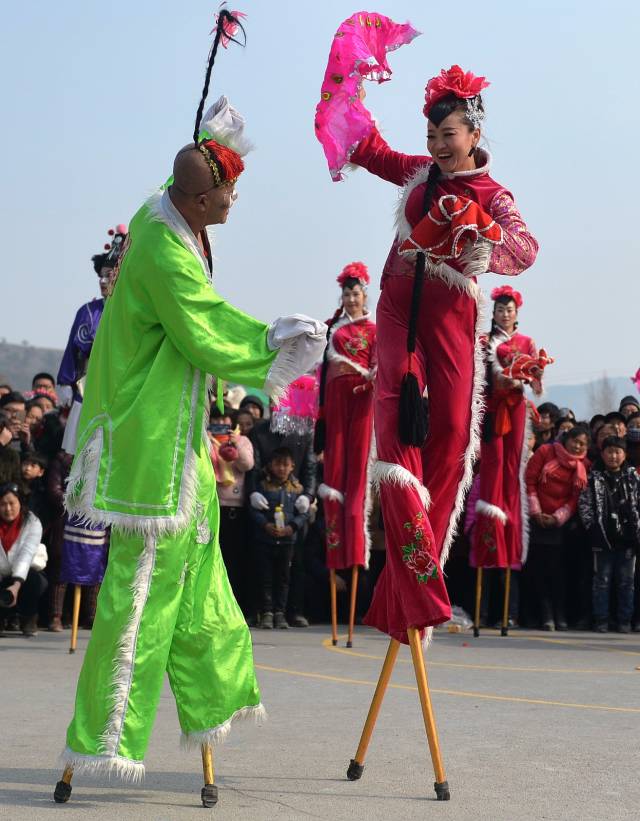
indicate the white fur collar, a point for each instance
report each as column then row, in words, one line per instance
column 345, row 319
column 420, row 176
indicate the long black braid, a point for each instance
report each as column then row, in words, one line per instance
column 223, row 16
column 413, row 412
column 320, row 432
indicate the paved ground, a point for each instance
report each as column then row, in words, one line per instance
column 533, row 726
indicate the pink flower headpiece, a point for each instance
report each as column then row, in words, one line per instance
column 229, row 26
column 507, row 290
column 463, row 84
column 355, row 270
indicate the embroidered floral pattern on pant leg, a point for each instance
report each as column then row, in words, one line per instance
column 333, row 539
column 415, row 553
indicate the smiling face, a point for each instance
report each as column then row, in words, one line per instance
column 613, row 458
column 353, row 301
column 451, row 143
column 505, row 315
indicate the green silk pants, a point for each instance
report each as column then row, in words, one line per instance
column 165, row 604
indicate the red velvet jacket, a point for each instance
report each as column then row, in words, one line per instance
column 518, row 249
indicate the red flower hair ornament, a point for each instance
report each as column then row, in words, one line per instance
column 462, row 84
column 354, row 270
column 507, row 290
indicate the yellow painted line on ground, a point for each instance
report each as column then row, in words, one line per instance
column 579, row 643
column 326, row 643
column 459, row 693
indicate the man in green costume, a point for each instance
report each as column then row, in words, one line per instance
column 142, row 466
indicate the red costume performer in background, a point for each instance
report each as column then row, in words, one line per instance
column 347, row 410
column 501, row 531
column 422, row 488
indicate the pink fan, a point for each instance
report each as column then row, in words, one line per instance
column 359, row 51
column 636, row 379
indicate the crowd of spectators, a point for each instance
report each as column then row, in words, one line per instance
column 581, row 480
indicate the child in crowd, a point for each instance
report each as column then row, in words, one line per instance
column 275, row 534
column 555, row 476
column 34, row 466
column 610, row 513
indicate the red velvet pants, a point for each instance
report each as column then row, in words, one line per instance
column 411, row 591
column 499, row 539
column 345, row 489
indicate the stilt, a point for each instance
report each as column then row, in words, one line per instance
column 352, row 603
column 334, row 607
column 77, row 594
column 356, row 766
column 441, row 786
column 62, row 792
column 209, row 793
column 505, row 609
column 476, row 620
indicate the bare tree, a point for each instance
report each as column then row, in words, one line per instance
column 601, row 395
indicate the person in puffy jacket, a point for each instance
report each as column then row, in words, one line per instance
column 610, row 512
column 555, row 476
column 22, row 558
column 276, row 529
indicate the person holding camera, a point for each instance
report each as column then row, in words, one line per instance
column 22, row 558
column 15, row 407
column 10, row 470
column 610, row 511
column 231, row 457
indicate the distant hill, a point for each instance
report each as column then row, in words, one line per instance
column 588, row 398
column 19, row 363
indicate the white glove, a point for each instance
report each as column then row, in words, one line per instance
column 303, row 504
column 300, row 342
column 258, row 501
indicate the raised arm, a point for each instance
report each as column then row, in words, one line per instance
column 374, row 154
column 519, row 247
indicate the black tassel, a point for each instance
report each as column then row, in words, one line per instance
column 319, row 436
column 412, row 416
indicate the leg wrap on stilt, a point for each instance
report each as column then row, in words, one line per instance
column 355, row 770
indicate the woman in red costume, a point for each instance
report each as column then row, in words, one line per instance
column 501, row 530
column 428, row 324
column 346, row 411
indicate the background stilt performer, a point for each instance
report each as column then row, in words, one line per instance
column 166, row 603
column 454, row 222
column 501, row 529
column 345, row 433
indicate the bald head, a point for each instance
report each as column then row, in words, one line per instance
column 191, row 172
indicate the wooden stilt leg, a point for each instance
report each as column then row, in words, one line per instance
column 441, row 786
column 334, row 607
column 77, row 594
column 505, row 609
column 476, row 619
column 209, row 793
column 352, row 603
column 62, row 792
column 356, row 765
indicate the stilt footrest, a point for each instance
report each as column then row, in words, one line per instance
column 442, row 790
column 62, row 792
column 355, row 770
column 209, row 795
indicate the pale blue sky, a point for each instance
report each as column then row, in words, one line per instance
column 98, row 96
